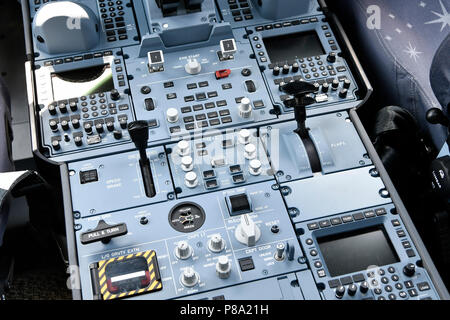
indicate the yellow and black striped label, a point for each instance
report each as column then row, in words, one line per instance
column 155, row 283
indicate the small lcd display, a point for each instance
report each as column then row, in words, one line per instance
column 354, row 251
column 293, row 46
column 82, row 82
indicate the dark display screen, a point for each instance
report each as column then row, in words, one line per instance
column 357, row 250
column 82, row 82
column 293, row 46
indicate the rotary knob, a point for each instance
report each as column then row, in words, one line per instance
column 216, row 243
column 99, row 128
column 343, row 93
column 78, row 141
column 183, row 250
column 183, row 148
column 62, row 108
column 75, row 123
column 193, row 66
column 52, row 109
column 245, row 108
column 73, row 106
column 286, row 69
column 250, row 151
column 190, row 179
column 325, row 87
column 172, row 115
column 331, row 57
column 87, row 127
column 364, row 287
column 189, row 278
column 110, row 126
column 65, row 125
column 56, row 145
column 295, row 67
column 335, row 84
column 244, row 136
column 352, row 289
column 223, row 267
column 117, row 134
column 276, row 71
column 53, row 125
column 255, row 167
column 187, row 164
column 115, row 95
column 340, row 291
column 409, row 270
column 247, row 232
column 123, row 123
column 347, row 83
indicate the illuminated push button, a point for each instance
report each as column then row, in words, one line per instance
column 250, row 151
column 223, row 267
column 190, row 179
column 183, row 250
column 244, row 136
column 172, row 115
column 216, row 243
column 255, row 167
column 247, row 232
column 189, row 277
column 193, row 66
column 187, row 164
column 183, row 148
column 245, row 108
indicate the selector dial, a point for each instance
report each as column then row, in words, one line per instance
column 189, row 278
column 193, row 66
column 183, row 148
column 245, row 108
column 247, row 232
column 186, row 217
column 172, row 115
column 183, row 250
column 244, row 136
column 216, row 244
column 223, row 267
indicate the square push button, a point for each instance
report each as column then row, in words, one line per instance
column 246, row 264
column 239, row 204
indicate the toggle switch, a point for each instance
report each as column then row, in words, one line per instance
column 247, row 232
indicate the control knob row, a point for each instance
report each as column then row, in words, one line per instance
column 352, row 290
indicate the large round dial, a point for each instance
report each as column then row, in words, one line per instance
column 186, row 217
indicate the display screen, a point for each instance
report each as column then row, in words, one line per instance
column 82, row 82
column 293, row 46
column 357, row 250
